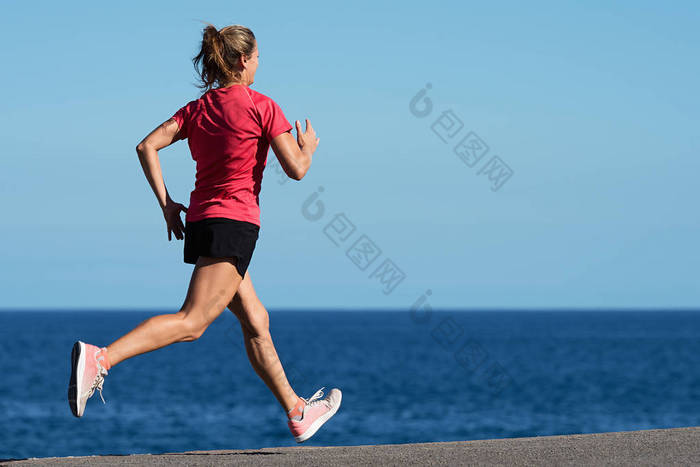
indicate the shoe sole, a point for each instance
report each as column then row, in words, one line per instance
column 318, row 423
column 77, row 359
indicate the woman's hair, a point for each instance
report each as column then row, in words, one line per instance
column 220, row 53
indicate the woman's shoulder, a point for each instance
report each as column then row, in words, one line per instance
column 192, row 104
column 258, row 97
column 185, row 111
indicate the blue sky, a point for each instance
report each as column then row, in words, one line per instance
column 592, row 105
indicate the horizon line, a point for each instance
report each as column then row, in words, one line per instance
column 365, row 309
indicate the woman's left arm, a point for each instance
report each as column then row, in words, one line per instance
column 163, row 136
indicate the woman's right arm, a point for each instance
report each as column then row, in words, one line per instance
column 147, row 149
column 295, row 156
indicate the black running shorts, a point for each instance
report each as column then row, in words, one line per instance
column 220, row 237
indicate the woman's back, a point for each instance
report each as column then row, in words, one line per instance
column 229, row 131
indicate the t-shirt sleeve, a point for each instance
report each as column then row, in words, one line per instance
column 274, row 122
column 182, row 119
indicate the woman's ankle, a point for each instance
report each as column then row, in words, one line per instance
column 296, row 412
column 103, row 358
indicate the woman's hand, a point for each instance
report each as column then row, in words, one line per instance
column 171, row 212
column 307, row 141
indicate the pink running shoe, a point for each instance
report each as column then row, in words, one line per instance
column 87, row 374
column 317, row 411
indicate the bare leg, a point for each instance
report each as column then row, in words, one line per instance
column 213, row 284
column 255, row 323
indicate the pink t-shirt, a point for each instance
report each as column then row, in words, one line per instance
column 229, row 132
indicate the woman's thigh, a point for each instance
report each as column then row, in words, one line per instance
column 213, row 284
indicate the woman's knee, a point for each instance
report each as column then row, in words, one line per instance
column 252, row 315
column 192, row 327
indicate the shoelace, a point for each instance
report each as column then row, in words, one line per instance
column 99, row 379
column 315, row 398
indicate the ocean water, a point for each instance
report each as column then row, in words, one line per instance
column 405, row 376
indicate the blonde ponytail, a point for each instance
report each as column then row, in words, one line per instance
column 221, row 50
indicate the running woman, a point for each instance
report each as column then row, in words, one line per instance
column 229, row 129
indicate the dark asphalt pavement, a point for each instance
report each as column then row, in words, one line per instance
column 677, row 446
